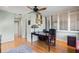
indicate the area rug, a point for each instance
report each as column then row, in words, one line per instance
column 20, row 49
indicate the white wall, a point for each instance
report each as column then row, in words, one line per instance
column 6, row 26
column 32, row 18
column 23, row 26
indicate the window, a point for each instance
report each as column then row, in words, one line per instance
column 63, row 21
column 74, row 21
column 47, row 23
column 54, row 21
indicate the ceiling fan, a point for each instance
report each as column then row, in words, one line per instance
column 36, row 9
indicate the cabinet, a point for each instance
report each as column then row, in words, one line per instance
column 71, row 41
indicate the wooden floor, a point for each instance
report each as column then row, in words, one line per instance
column 61, row 47
column 38, row 46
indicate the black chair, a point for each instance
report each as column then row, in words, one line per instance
column 52, row 31
column 52, row 37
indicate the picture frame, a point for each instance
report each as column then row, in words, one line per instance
column 29, row 22
column 38, row 19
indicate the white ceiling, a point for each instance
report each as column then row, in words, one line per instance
column 24, row 10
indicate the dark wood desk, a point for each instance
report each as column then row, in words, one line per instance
column 45, row 36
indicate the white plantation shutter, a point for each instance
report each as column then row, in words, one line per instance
column 74, row 21
column 63, row 19
column 54, row 21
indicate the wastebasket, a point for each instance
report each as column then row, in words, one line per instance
column 71, row 41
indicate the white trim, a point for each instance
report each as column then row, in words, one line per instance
column 58, row 23
column 68, row 31
column 68, row 21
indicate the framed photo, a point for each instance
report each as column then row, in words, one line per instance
column 29, row 22
column 38, row 19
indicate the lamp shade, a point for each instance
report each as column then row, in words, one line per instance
column 34, row 26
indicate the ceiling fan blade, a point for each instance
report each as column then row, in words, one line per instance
column 38, row 13
column 42, row 9
column 30, row 12
column 29, row 7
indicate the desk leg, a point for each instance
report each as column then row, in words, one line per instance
column 49, row 48
column 48, row 45
column 54, row 40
